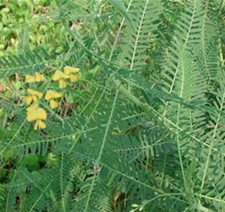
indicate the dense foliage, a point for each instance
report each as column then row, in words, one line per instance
column 113, row 106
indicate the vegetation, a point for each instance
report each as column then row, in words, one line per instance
column 112, row 105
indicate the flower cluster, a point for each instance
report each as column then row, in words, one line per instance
column 68, row 73
column 34, row 112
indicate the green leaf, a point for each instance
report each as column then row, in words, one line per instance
column 119, row 5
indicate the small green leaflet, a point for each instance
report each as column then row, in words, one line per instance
column 119, row 5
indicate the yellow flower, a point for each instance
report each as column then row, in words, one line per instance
column 38, row 115
column 62, row 83
column 53, row 104
column 39, row 125
column 34, row 96
column 36, row 78
column 27, row 99
column 73, row 77
column 32, row 107
column 68, row 70
column 51, row 95
column 60, row 76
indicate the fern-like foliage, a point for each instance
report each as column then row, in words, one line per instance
column 129, row 141
column 28, row 62
column 138, row 37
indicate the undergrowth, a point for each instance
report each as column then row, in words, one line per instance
column 140, row 128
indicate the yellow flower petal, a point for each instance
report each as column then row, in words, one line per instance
column 27, row 99
column 37, row 114
column 51, row 94
column 39, row 125
column 36, row 78
column 32, row 107
column 42, row 125
column 59, row 75
column 31, row 116
column 39, row 77
column 30, row 79
column 73, row 77
column 69, row 70
column 62, row 83
column 35, row 94
column 54, row 104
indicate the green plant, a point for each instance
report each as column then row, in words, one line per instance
column 143, row 129
column 27, row 22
